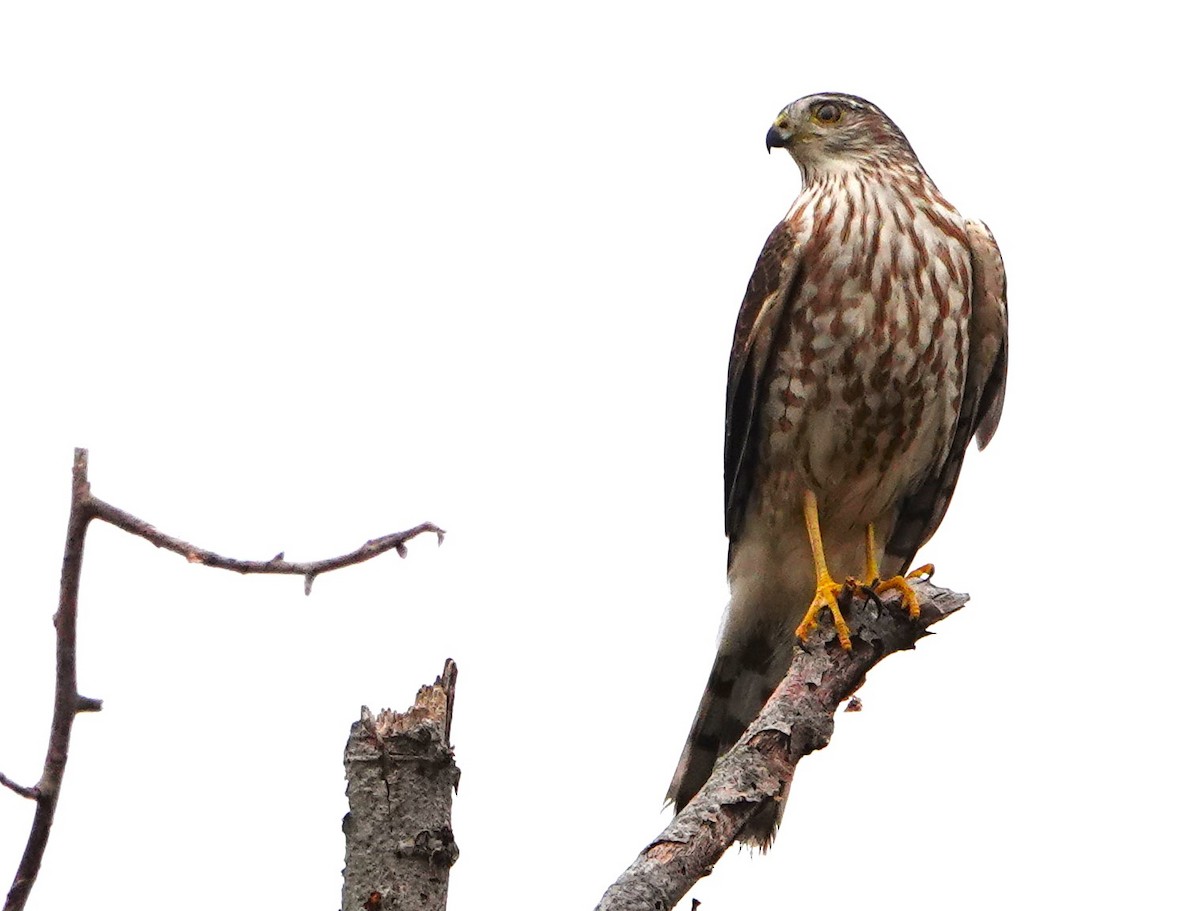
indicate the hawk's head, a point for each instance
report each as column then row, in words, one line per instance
column 835, row 132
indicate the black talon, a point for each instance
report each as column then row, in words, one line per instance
column 872, row 595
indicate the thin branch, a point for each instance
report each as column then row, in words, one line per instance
column 797, row 720
column 29, row 793
column 67, row 700
column 276, row 565
column 66, row 693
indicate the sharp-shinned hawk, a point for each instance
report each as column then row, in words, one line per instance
column 870, row 348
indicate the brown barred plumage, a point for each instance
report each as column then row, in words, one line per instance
column 870, row 348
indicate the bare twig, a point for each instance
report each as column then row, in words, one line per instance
column 276, row 565
column 30, row 793
column 797, row 719
column 401, row 778
column 67, row 700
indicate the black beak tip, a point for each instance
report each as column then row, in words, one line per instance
column 775, row 139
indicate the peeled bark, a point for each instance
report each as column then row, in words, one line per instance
column 401, row 778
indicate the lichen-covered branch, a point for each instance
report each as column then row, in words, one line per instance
column 401, row 778
column 797, row 720
column 67, row 700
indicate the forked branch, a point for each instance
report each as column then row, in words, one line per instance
column 67, row 700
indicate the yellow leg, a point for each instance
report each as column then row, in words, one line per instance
column 871, row 573
column 896, row 583
column 827, row 590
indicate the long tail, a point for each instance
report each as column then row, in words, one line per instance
column 741, row 681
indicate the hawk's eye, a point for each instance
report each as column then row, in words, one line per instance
column 827, row 113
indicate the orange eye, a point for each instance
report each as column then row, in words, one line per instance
column 827, row 113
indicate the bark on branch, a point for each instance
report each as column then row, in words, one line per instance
column 797, row 720
column 67, row 700
column 401, row 778
column 276, row 565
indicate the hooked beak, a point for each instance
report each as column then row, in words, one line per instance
column 776, row 138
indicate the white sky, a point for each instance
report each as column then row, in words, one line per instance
column 300, row 274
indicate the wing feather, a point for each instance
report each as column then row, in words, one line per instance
column 983, row 397
column 754, row 340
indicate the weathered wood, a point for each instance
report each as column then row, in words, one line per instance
column 797, row 720
column 68, row 701
column 401, row 778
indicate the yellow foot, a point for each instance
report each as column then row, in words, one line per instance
column 921, row 572
column 907, row 595
column 826, row 596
